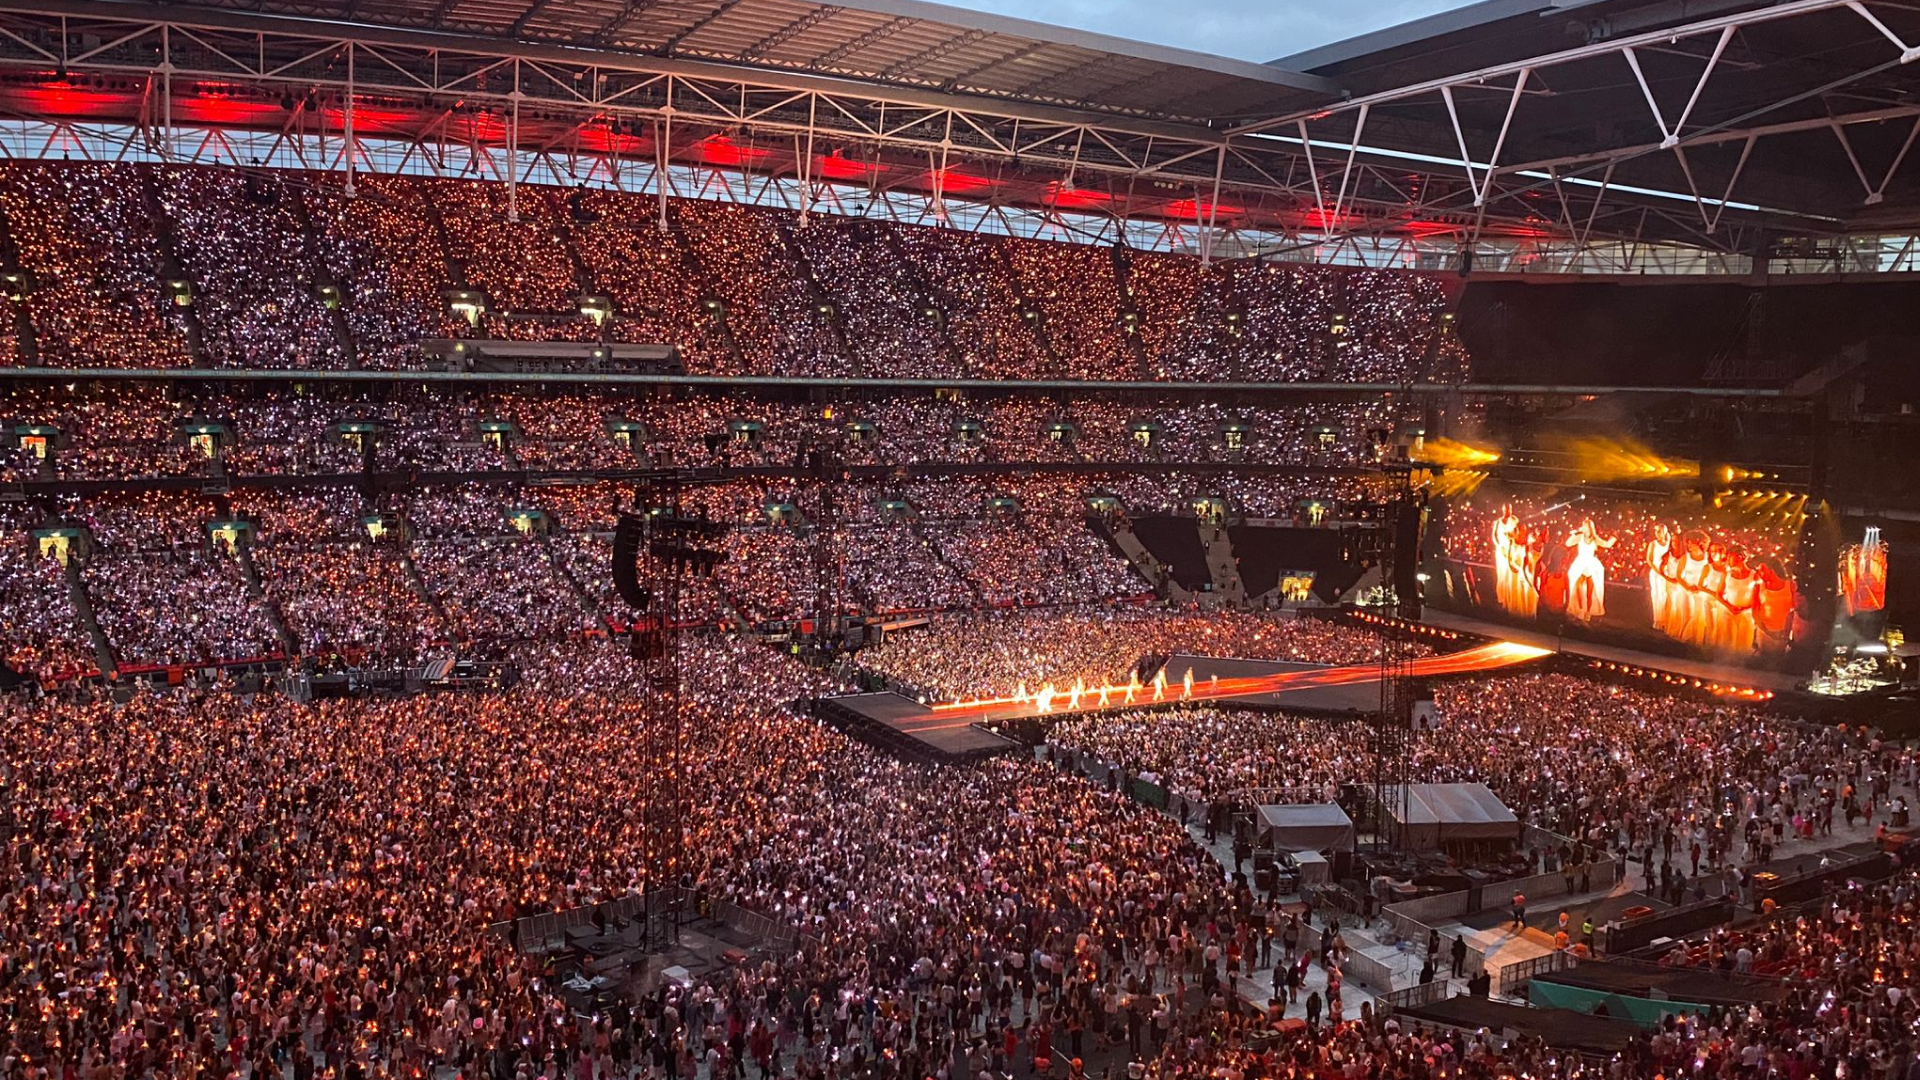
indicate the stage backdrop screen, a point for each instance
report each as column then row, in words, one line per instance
column 1862, row 587
column 1655, row 573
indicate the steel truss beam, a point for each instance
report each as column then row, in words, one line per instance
column 1235, row 194
column 1586, row 187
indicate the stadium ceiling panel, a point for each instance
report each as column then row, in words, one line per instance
column 904, row 42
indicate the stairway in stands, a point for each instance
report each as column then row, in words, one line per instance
column 258, row 590
column 1120, row 534
column 587, row 603
column 83, row 609
column 940, row 555
column 1228, row 588
column 426, row 595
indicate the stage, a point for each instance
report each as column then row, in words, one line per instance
column 899, row 724
column 1260, row 688
column 1339, row 698
column 1724, row 674
column 951, row 731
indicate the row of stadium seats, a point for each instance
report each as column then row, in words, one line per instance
column 163, row 589
column 121, row 432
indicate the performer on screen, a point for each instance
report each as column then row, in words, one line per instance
column 1527, row 572
column 1713, row 587
column 1586, row 575
column 1863, row 574
column 1773, row 608
column 1507, row 549
column 1659, row 551
column 1687, row 612
column 1741, row 592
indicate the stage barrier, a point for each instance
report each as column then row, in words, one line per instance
column 1510, row 978
column 1415, row 996
column 1368, row 972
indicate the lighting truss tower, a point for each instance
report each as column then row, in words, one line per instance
column 824, row 462
column 675, row 549
column 1392, row 725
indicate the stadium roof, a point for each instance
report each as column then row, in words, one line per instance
column 908, row 43
column 1801, row 114
column 1726, row 125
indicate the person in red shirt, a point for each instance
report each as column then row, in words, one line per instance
column 1042, row 1041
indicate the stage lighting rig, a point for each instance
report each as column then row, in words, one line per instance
column 655, row 553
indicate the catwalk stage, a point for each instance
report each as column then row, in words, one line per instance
column 950, row 731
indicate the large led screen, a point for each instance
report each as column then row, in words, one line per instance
column 1661, row 572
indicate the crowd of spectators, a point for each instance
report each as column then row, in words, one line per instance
column 354, row 599
column 1036, row 559
column 500, row 588
column 771, row 307
column 938, row 544
column 217, row 884
column 1847, row 969
column 42, row 634
column 85, row 235
column 894, row 567
column 1697, row 784
column 286, row 269
column 999, row 918
column 371, row 843
column 1211, row 755
column 656, row 288
column 383, row 248
column 889, row 316
column 980, row 304
column 241, row 242
column 182, row 607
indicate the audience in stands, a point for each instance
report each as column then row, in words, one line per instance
column 138, row 265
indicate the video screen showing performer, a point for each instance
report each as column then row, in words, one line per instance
column 1862, row 587
column 1658, row 569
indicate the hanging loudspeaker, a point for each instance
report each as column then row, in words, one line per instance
column 626, row 562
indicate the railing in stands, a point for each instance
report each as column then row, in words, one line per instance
column 1415, row 996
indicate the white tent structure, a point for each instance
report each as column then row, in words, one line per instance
column 1307, row 827
column 1434, row 814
